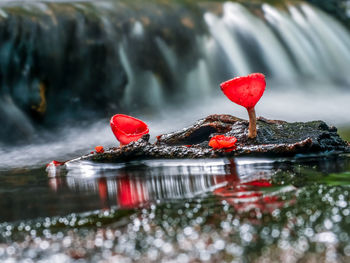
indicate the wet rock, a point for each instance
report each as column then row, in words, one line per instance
column 318, row 134
column 200, row 131
column 63, row 62
column 274, row 138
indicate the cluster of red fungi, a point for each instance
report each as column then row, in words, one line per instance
column 245, row 91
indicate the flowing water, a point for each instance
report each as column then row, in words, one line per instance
column 66, row 66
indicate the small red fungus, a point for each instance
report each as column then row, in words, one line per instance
column 99, row 149
column 127, row 129
column 223, row 142
column 246, row 91
column 55, row 163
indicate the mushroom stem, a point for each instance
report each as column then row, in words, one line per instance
column 252, row 123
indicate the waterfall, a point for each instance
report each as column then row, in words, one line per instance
column 86, row 59
column 299, row 41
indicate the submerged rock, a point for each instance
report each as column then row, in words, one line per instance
column 274, row 138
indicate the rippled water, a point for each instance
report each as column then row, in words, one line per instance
column 240, row 210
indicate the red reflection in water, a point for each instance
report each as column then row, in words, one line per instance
column 103, row 192
column 248, row 196
column 55, row 183
column 259, row 183
column 131, row 193
column 134, row 191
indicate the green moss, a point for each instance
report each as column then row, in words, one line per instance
column 344, row 132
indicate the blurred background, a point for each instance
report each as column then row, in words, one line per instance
column 67, row 66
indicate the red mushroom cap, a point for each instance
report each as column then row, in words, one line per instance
column 127, row 129
column 245, row 91
column 222, row 142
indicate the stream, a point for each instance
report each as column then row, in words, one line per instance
column 67, row 66
column 240, row 210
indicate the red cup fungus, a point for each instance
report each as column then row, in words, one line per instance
column 246, row 91
column 223, row 142
column 55, row 163
column 53, row 169
column 127, row 129
column 99, row 149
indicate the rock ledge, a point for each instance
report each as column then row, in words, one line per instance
column 275, row 138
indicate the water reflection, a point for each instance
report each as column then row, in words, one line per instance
column 248, row 210
column 243, row 183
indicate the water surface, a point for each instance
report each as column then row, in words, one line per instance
column 239, row 210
